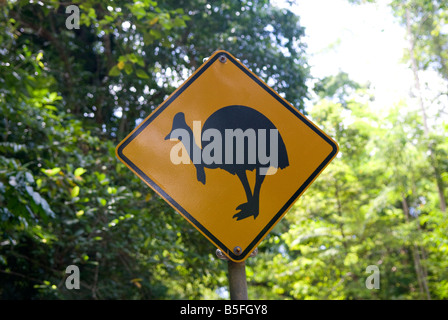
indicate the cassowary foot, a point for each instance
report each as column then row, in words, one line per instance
column 247, row 210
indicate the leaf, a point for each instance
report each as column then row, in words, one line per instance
column 114, row 71
column 350, row 259
column 132, row 57
column 137, row 281
column 13, row 181
column 51, row 172
column 120, row 65
column 44, row 204
column 178, row 22
column 75, row 191
column 50, row 107
column 80, row 213
column 140, row 61
column 36, row 197
column 155, row 33
column 53, row 96
column 102, row 201
column 29, row 177
column 153, row 21
column 142, row 74
column 79, row 172
column 128, row 68
column 111, row 190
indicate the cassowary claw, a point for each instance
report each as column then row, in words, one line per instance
column 246, row 210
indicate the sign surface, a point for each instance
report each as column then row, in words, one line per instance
column 228, row 153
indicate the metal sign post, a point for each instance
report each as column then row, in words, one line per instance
column 237, row 276
column 237, row 280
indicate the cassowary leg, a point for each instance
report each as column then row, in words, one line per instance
column 256, row 196
column 243, row 178
column 249, row 208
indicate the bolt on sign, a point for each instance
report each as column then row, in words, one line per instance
column 228, row 153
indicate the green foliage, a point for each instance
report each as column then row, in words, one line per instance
column 339, row 86
column 97, row 217
column 376, row 204
column 68, row 96
column 130, row 56
column 426, row 20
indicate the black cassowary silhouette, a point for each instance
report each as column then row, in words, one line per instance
column 234, row 117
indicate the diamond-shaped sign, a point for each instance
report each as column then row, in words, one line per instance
column 228, row 153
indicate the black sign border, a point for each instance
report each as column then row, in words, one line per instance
column 187, row 215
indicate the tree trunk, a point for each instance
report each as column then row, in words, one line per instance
column 419, row 270
column 433, row 161
column 340, row 223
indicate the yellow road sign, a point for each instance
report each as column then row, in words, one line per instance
column 228, row 153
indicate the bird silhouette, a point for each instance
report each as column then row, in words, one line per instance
column 233, row 118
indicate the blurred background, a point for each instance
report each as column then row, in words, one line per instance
column 77, row 76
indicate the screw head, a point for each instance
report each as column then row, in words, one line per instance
column 237, row 250
column 221, row 255
column 222, row 59
column 254, row 253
